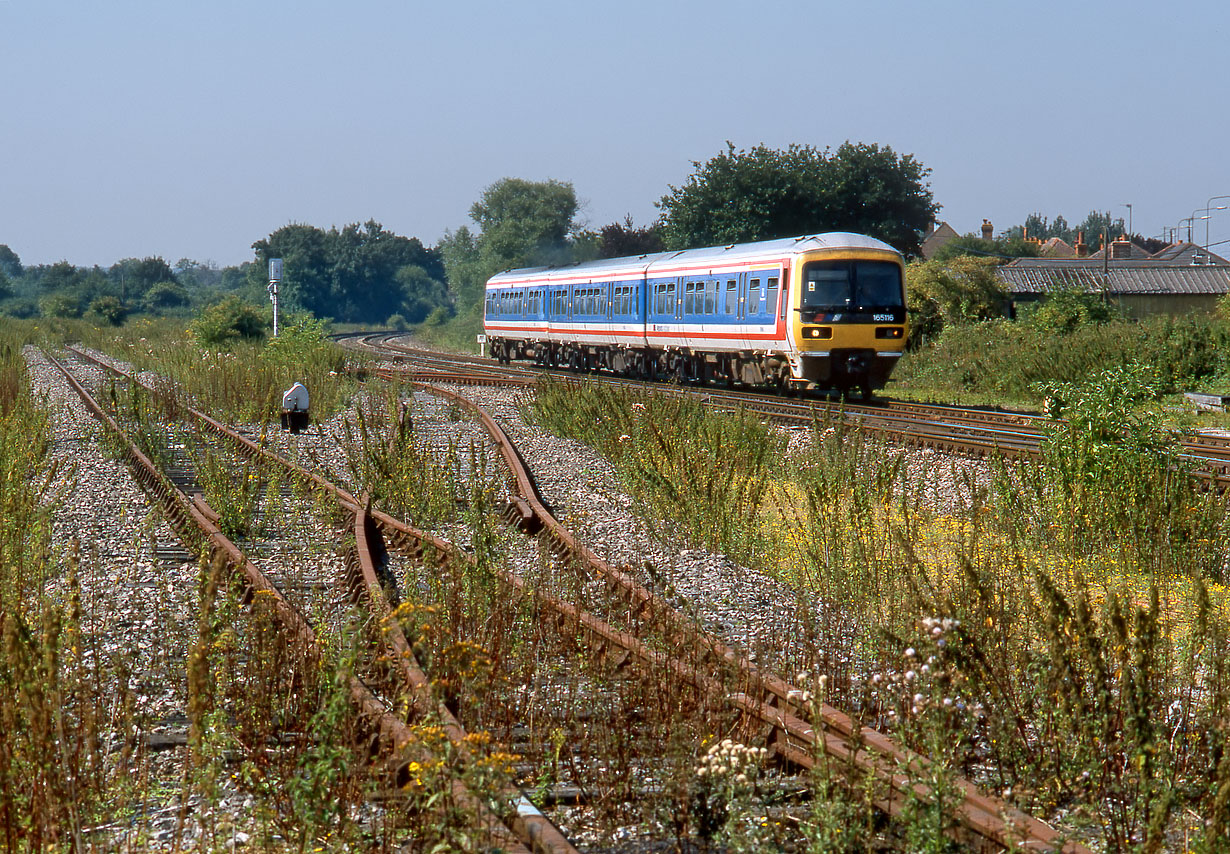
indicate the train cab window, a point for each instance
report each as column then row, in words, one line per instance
column 857, row 285
column 770, row 300
column 732, row 297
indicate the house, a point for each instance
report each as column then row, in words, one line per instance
column 937, row 236
column 1181, row 278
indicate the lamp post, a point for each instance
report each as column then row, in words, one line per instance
column 1128, row 205
column 1207, row 208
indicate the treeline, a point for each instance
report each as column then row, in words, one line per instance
column 108, row 295
column 360, row 273
column 366, row 274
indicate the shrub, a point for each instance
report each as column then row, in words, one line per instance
column 108, row 309
column 962, row 290
column 166, row 295
column 227, row 321
column 1069, row 309
column 61, row 305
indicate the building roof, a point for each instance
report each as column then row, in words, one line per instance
column 1041, row 276
column 1185, row 252
column 1056, row 247
column 941, row 234
column 1123, row 250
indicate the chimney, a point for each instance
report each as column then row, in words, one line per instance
column 988, row 230
column 1082, row 248
column 1121, row 249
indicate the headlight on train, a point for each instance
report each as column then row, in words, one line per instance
column 817, row 332
column 889, row 331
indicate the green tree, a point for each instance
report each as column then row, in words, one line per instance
column 420, row 293
column 1000, row 249
column 1097, row 224
column 166, row 295
column 523, row 223
column 6, row 287
column 133, row 277
column 1040, row 228
column 961, row 290
column 61, row 304
column 620, row 239
column 58, row 277
column 10, row 264
column 346, row 275
column 765, row 193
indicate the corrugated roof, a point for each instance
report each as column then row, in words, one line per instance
column 1183, row 252
column 1123, row 277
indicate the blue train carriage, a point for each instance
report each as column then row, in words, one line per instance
column 825, row 311
column 587, row 316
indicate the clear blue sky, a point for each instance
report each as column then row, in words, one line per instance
column 180, row 129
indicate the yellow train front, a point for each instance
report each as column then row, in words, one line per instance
column 824, row 311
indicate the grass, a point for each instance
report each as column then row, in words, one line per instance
column 1010, row 363
column 1059, row 633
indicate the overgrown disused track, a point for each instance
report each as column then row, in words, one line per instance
column 769, row 706
column 520, row 827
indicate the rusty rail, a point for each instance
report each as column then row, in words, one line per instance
column 968, row 431
column 989, row 823
column 194, row 524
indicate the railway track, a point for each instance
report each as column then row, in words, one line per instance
column 768, row 705
column 520, row 827
column 961, row 430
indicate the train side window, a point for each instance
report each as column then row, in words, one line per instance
column 670, row 299
column 770, row 302
column 732, row 298
column 710, row 297
column 753, row 297
column 688, row 298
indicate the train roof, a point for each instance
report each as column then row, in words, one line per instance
column 642, row 265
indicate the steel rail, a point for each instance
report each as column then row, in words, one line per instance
column 530, row 825
column 1013, row 434
column 987, row 824
column 194, row 523
column 767, row 698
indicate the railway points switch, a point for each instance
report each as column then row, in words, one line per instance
column 295, row 408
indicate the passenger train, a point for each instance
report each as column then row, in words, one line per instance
column 819, row 311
